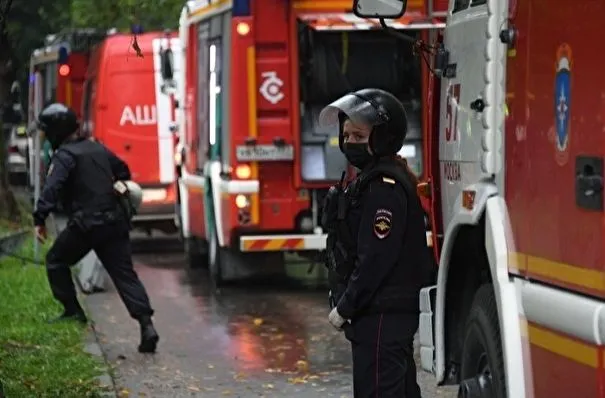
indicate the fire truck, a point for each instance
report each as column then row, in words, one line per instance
column 254, row 165
column 129, row 107
column 517, row 309
column 57, row 73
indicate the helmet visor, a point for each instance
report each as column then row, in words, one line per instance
column 357, row 108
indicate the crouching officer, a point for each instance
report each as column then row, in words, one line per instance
column 378, row 259
column 81, row 178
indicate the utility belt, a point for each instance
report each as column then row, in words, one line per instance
column 86, row 220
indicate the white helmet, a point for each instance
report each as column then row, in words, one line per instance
column 132, row 189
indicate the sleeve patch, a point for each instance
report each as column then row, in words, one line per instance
column 382, row 223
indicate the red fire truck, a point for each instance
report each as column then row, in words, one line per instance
column 517, row 309
column 255, row 165
column 128, row 106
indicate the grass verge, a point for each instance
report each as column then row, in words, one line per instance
column 38, row 359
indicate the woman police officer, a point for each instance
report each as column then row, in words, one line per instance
column 384, row 229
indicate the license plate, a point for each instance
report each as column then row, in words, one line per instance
column 270, row 153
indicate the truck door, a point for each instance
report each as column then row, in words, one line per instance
column 461, row 129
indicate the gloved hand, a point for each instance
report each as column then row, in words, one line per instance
column 336, row 320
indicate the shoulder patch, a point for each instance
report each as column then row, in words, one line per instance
column 388, row 180
column 383, row 220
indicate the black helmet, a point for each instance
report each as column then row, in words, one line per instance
column 372, row 107
column 58, row 122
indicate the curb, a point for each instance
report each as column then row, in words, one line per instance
column 93, row 347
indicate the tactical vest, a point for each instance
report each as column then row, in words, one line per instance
column 89, row 190
column 413, row 270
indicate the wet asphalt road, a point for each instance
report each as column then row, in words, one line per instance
column 245, row 341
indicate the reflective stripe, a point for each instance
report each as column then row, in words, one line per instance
column 348, row 21
column 282, row 242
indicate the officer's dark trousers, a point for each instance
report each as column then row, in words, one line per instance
column 111, row 243
column 383, row 356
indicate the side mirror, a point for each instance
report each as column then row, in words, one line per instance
column 167, row 64
column 390, row 9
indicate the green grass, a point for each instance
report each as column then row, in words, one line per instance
column 37, row 359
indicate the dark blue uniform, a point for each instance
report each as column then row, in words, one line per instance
column 80, row 178
column 381, row 295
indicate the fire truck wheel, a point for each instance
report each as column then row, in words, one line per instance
column 196, row 258
column 215, row 261
column 482, row 368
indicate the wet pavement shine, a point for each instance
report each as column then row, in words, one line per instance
column 248, row 340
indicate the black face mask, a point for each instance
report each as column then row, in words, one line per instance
column 357, row 154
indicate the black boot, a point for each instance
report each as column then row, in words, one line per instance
column 73, row 312
column 149, row 336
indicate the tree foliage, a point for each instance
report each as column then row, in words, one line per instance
column 122, row 14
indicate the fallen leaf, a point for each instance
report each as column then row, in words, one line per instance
column 124, row 393
column 193, row 388
column 227, row 392
column 268, row 386
column 302, row 366
column 210, row 366
column 258, row 321
column 297, row 380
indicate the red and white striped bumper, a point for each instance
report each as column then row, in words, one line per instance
column 299, row 242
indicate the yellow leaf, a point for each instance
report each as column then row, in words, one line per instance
column 302, row 366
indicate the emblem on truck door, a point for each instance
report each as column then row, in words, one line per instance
column 562, row 102
column 270, row 89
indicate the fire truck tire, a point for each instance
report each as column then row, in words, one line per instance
column 482, row 368
column 215, row 259
column 195, row 257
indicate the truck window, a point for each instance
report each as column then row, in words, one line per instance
column 476, row 3
column 460, row 5
column 214, row 92
column 202, row 92
column 50, row 87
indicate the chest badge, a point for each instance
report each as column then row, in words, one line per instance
column 383, row 220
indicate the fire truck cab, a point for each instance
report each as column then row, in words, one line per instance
column 517, row 309
column 255, row 165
